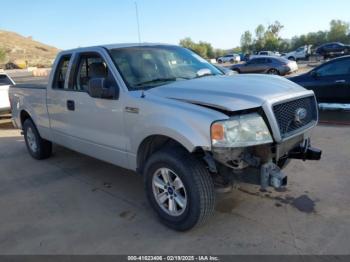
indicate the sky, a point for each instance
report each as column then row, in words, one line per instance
column 68, row 24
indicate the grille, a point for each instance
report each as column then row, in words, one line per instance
column 285, row 114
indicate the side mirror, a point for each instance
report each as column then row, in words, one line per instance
column 314, row 74
column 99, row 88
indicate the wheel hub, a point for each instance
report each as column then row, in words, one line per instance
column 169, row 191
column 31, row 140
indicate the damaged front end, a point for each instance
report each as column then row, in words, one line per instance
column 262, row 164
column 255, row 147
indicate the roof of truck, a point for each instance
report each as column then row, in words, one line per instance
column 121, row 45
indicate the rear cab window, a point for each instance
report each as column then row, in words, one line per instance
column 5, row 80
column 61, row 72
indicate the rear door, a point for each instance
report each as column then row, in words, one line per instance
column 57, row 94
column 332, row 82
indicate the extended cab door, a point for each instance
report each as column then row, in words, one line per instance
column 86, row 121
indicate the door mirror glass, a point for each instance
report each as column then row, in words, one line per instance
column 314, row 74
column 99, row 88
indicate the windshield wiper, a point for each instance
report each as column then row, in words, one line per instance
column 207, row 74
column 156, row 80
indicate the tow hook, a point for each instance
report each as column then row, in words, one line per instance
column 305, row 153
column 271, row 175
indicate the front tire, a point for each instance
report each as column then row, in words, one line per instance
column 273, row 71
column 179, row 188
column 38, row 147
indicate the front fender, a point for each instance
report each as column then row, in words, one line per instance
column 186, row 123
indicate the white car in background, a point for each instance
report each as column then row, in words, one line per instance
column 232, row 58
column 302, row 53
column 5, row 83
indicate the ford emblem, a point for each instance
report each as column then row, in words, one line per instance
column 300, row 115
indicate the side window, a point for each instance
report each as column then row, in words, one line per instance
column 92, row 66
column 252, row 62
column 260, row 61
column 341, row 67
column 89, row 66
column 61, row 72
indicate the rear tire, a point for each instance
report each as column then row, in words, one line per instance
column 273, row 71
column 180, row 208
column 38, row 147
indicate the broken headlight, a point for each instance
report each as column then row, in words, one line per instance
column 240, row 131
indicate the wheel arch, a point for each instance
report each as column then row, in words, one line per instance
column 24, row 115
column 154, row 143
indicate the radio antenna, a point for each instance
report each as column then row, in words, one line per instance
column 138, row 21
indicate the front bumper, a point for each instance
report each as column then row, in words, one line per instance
column 263, row 164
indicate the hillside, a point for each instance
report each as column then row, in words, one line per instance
column 20, row 49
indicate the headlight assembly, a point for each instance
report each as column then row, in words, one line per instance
column 240, row 131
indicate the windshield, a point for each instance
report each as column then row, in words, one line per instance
column 145, row 67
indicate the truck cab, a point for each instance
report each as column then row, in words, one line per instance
column 301, row 53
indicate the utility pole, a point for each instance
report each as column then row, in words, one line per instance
column 138, row 22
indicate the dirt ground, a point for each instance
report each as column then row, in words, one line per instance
column 73, row 204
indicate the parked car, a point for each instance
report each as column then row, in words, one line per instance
column 333, row 49
column 266, row 65
column 268, row 53
column 172, row 117
column 5, row 83
column 301, row 53
column 233, row 58
column 330, row 81
column 225, row 70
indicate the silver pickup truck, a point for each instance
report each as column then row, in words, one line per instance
column 166, row 113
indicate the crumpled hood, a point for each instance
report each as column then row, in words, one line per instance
column 231, row 93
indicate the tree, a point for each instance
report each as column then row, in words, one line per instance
column 203, row 49
column 275, row 28
column 209, row 50
column 338, row 32
column 187, row 43
column 219, row 52
column 259, row 42
column 246, row 42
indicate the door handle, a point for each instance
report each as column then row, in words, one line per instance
column 340, row 81
column 70, row 105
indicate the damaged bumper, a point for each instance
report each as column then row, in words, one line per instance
column 263, row 164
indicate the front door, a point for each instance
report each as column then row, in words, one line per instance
column 332, row 82
column 92, row 125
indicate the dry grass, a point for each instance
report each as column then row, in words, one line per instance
column 20, row 49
